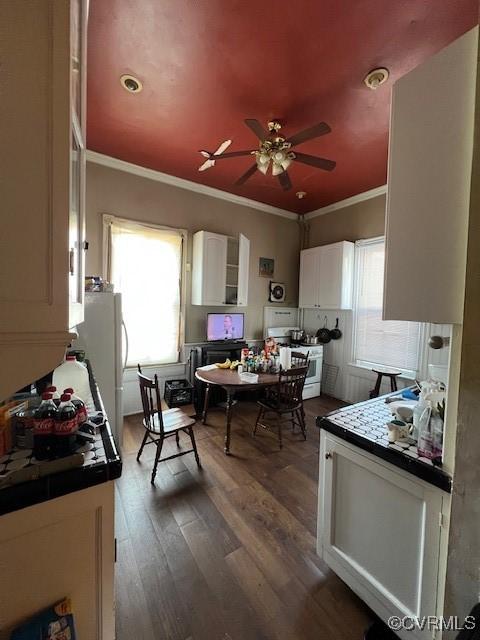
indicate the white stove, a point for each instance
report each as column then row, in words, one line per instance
column 282, row 336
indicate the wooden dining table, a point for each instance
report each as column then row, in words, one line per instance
column 231, row 382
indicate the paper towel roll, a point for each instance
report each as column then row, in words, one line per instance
column 285, row 357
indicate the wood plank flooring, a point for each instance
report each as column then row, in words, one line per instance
column 228, row 552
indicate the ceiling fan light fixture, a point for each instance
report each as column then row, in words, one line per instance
column 263, row 158
column 263, row 167
column 277, row 169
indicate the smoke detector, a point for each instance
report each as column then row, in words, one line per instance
column 131, row 84
column 376, row 77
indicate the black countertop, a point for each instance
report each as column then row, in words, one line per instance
column 363, row 425
column 101, row 463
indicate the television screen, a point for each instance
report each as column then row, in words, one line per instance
column 225, row 326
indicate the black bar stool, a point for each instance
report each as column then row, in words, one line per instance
column 393, row 375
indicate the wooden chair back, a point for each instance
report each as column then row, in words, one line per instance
column 290, row 386
column 299, row 359
column 151, row 402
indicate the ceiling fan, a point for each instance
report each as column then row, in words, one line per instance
column 274, row 151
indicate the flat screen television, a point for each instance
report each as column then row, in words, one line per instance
column 225, row 326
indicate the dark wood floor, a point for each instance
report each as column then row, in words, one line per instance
column 228, row 553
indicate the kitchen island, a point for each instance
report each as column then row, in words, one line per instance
column 57, row 534
column 382, row 515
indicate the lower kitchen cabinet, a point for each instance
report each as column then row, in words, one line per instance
column 382, row 530
column 61, row 547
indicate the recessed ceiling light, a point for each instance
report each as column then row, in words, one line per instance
column 301, row 194
column 376, row 77
column 131, row 84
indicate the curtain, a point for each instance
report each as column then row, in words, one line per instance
column 378, row 342
column 145, row 265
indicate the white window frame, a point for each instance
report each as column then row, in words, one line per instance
column 363, row 364
column 107, row 219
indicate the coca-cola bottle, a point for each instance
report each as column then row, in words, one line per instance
column 43, row 422
column 65, row 427
column 79, row 406
column 55, row 395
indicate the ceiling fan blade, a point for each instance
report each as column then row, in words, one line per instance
column 246, row 175
column 232, row 154
column 308, row 134
column 222, row 147
column 313, row 161
column 285, row 181
column 255, row 126
column 206, row 165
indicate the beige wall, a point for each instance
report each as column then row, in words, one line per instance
column 129, row 196
column 363, row 220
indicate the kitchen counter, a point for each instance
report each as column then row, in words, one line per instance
column 101, row 463
column 363, row 425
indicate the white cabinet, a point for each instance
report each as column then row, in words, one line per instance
column 62, row 547
column 220, row 269
column 381, row 530
column 326, row 276
column 42, row 187
column 430, row 163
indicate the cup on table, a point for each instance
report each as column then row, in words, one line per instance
column 397, row 429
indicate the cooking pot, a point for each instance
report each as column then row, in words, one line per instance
column 335, row 334
column 298, row 335
column 323, row 334
column 310, row 340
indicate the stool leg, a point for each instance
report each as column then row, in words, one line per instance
column 393, row 383
column 375, row 392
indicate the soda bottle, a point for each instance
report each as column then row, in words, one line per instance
column 43, row 421
column 55, row 395
column 79, row 406
column 65, row 427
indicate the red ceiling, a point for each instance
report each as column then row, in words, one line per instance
column 208, row 64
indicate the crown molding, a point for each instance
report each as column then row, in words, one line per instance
column 341, row 204
column 152, row 174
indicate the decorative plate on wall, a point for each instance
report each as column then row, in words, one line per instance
column 277, row 292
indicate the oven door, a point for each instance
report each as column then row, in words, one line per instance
column 314, row 372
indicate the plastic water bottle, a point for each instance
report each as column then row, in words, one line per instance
column 75, row 375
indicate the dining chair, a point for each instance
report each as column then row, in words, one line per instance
column 301, row 360
column 285, row 403
column 160, row 425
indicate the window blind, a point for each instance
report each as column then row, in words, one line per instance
column 145, row 265
column 378, row 342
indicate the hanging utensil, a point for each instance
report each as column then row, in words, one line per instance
column 323, row 334
column 335, row 334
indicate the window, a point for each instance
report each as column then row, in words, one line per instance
column 378, row 342
column 145, row 265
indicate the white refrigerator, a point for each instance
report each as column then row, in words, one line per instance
column 101, row 335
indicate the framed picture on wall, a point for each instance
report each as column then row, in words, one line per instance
column 266, row 267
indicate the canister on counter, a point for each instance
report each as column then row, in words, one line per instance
column 23, row 429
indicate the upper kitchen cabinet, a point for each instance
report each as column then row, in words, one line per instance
column 220, row 269
column 430, row 162
column 326, row 276
column 42, row 124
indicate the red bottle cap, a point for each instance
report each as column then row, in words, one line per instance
column 51, row 389
column 47, row 396
column 65, row 397
column 70, row 358
column 68, row 390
